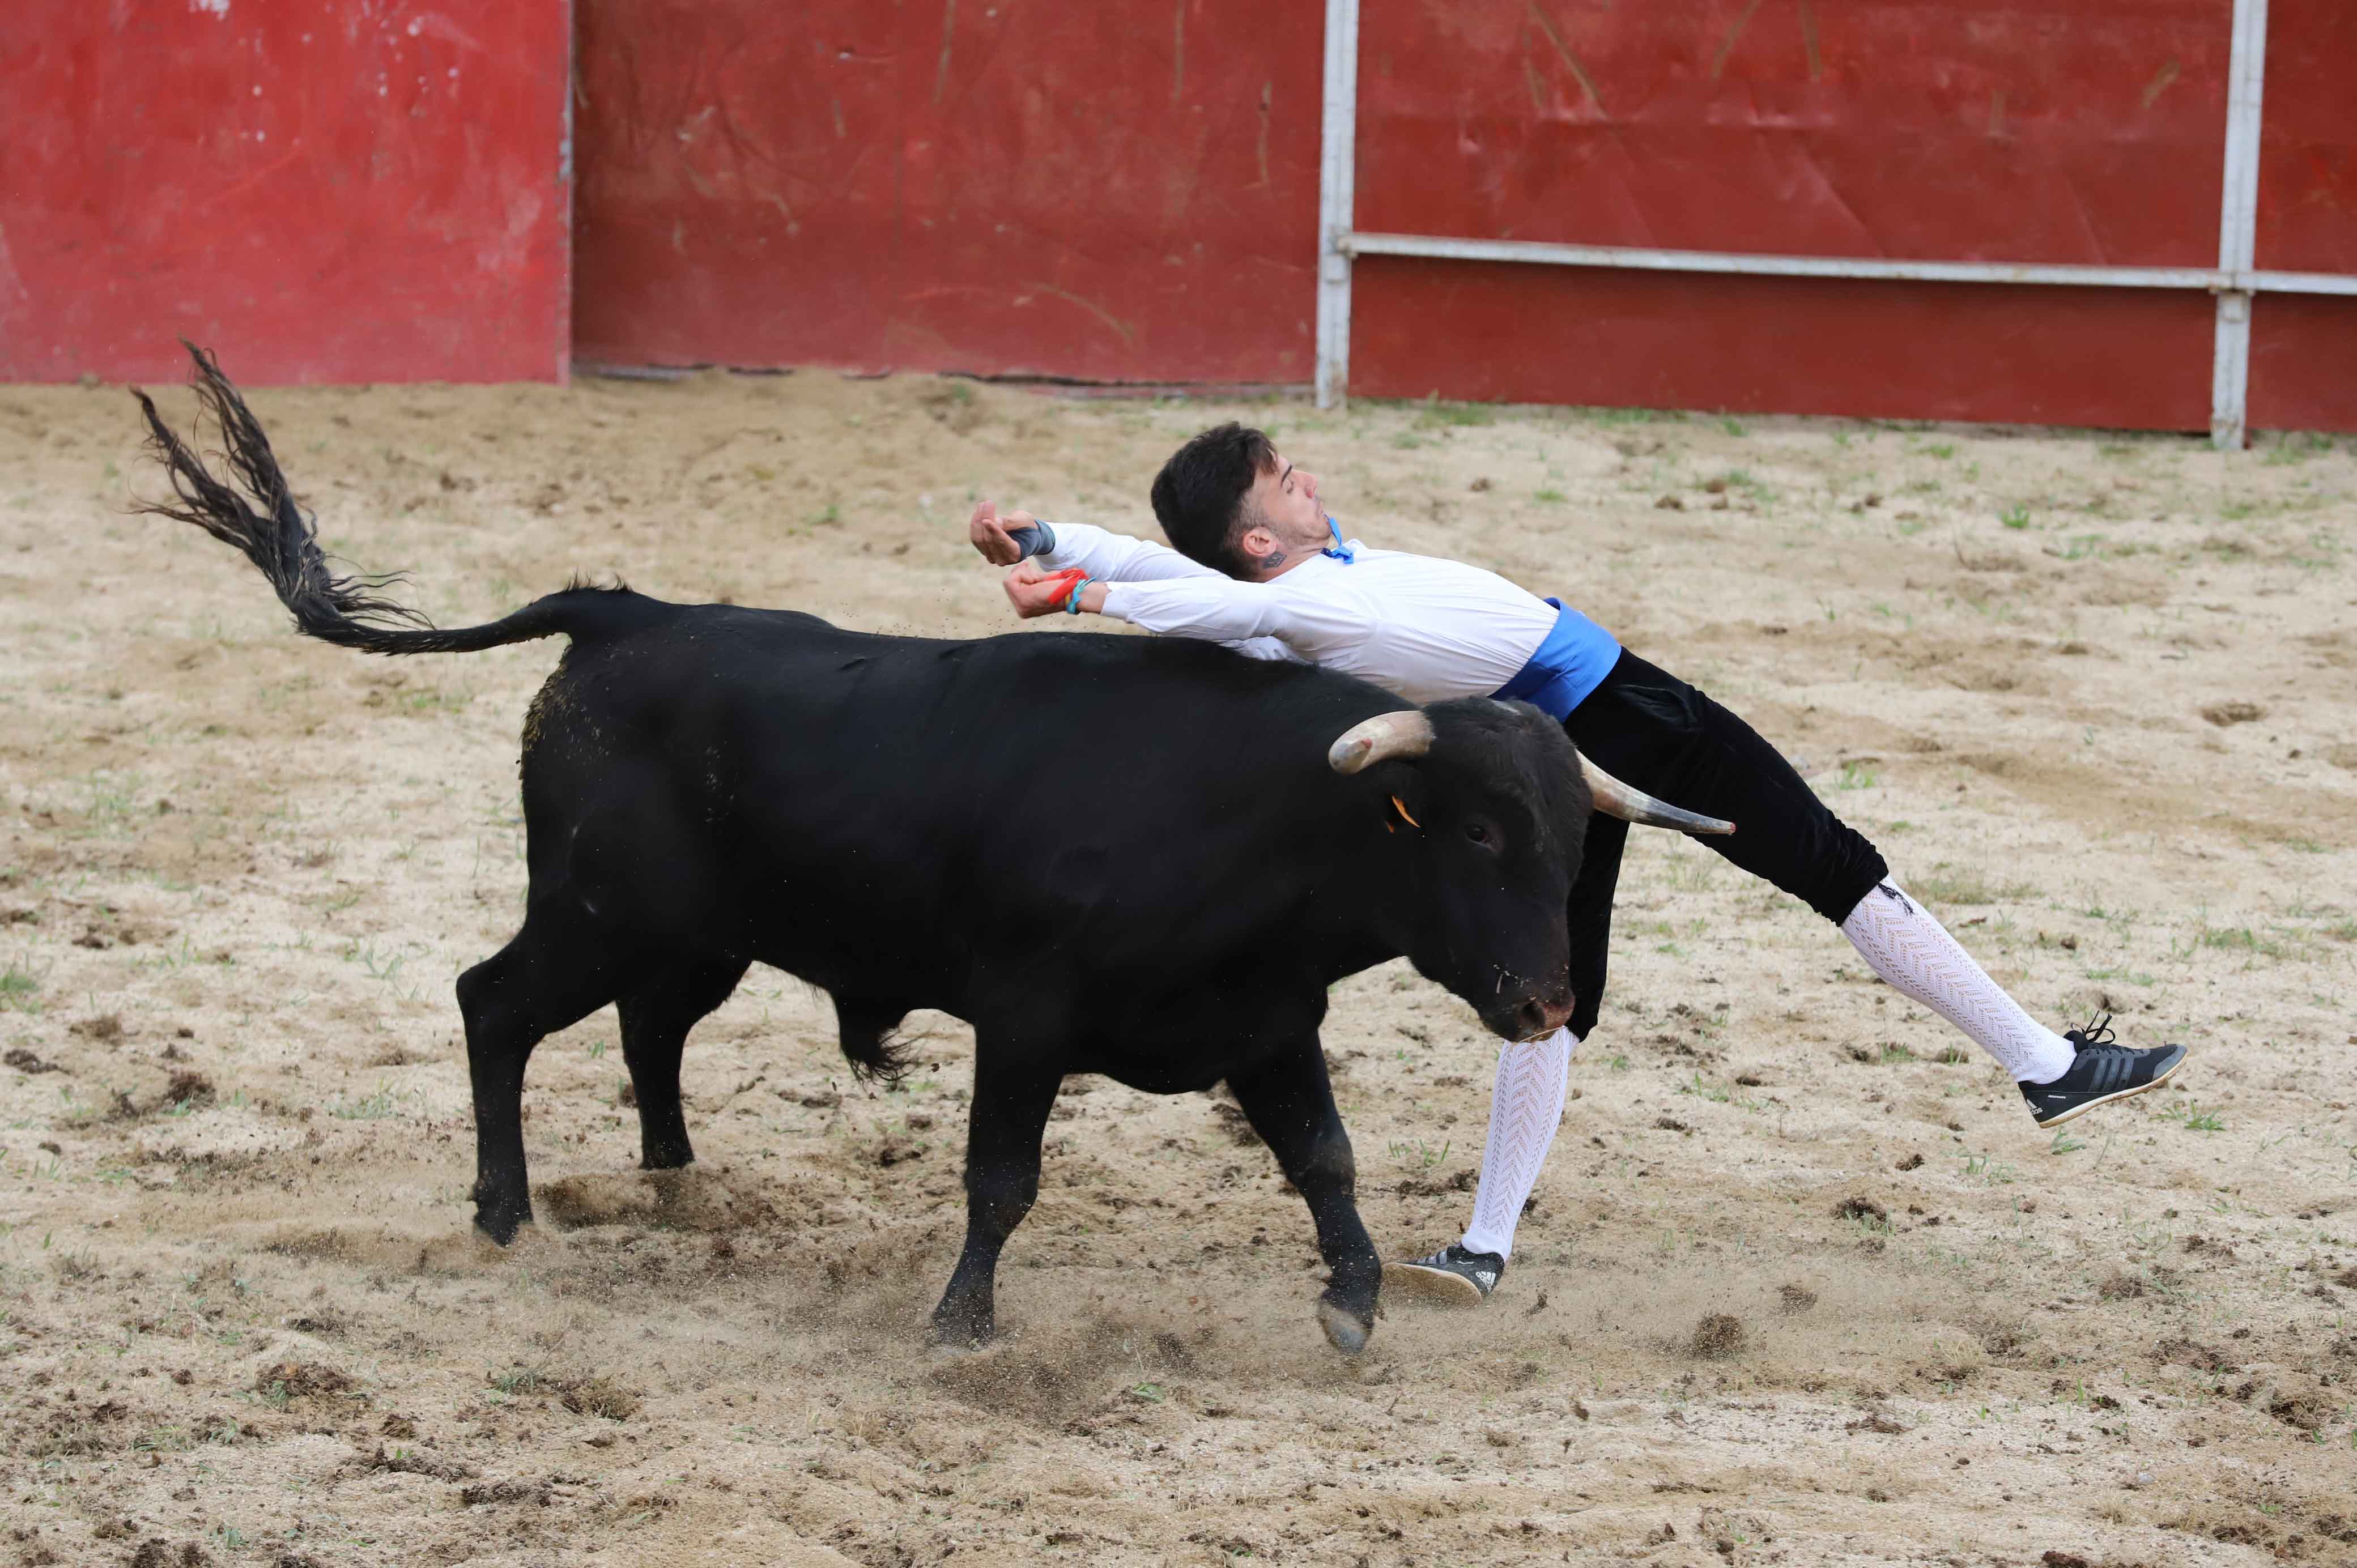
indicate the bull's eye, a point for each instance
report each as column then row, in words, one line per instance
column 1478, row 833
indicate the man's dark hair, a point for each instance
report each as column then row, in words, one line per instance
column 1199, row 495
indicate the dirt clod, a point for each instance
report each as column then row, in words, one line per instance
column 157, row 1553
column 508, row 1491
column 601, row 1396
column 1861, row 1208
column 193, row 1090
column 302, row 1379
column 1718, row 1335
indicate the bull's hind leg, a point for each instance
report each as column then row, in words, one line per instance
column 1002, row 1181
column 554, row 974
column 1291, row 1105
column 656, row 1018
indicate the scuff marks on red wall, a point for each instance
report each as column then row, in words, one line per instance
column 1106, row 193
column 360, row 192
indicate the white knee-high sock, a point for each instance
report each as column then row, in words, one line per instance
column 1903, row 944
column 1524, row 1108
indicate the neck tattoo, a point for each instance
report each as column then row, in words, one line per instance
column 1271, row 562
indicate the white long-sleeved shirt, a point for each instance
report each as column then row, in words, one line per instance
column 1424, row 627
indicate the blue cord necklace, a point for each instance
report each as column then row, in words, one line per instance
column 1340, row 551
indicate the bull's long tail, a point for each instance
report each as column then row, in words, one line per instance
column 348, row 611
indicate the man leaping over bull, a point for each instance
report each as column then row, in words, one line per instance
column 1260, row 566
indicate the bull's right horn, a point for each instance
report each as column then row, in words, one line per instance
column 1615, row 799
column 1386, row 735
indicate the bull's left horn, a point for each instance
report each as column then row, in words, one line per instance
column 1615, row 799
column 1386, row 735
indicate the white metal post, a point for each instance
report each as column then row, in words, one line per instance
column 2238, row 222
column 1336, row 168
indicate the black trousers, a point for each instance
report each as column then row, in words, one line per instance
column 1646, row 727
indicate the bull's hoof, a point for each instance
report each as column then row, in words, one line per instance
column 1346, row 1331
column 954, row 1330
column 501, row 1221
column 666, row 1159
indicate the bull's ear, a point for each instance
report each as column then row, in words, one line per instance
column 1386, row 736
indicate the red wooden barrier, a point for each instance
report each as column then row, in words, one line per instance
column 369, row 192
column 1925, row 129
column 1129, row 193
column 1106, row 192
column 2304, row 351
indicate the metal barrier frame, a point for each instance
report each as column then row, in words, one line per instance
column 2235, row 280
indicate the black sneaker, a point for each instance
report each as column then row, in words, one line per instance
column 1452, row 1277
column 2101, row 1072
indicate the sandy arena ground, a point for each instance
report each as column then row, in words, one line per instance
column 1802, row 1282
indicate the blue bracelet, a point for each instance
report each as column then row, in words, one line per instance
column 1073, row 605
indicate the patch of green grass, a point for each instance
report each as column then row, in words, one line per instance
column 2191, row 1116
column 1719, row 1093
column 516, row 1380
column 1731, row 424
column 1436, row 412
column 1632, row 415
column 2015, row 517
column 1989, row 1168
column 368, row 1108
column 2298, row 449
column 17, row 983
column 1551, row 496
column 1952, row 884
column 1857, row 776
column 2240, row 939
column 1419, row 1153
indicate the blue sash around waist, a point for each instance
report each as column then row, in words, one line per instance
column 1572, row 662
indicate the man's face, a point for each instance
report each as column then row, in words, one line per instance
column 1283, row 502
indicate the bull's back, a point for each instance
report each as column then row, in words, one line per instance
column 1107, row 795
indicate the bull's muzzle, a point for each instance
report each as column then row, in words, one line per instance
column 1531, row 1017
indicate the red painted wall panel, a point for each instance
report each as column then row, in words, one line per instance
column 1108, row 192
column 2308, row 150
column 1944, row 129
column 2303, row 362
column 2090, row 131
column 366, row 191
column 2132, row 359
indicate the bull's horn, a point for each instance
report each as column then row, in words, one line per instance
column 1615, row 799
column 1386, row 735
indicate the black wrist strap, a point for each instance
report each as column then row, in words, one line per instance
column 1035, row 541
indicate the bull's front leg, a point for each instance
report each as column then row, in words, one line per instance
column 1011, row 1102
column 1291, row 1106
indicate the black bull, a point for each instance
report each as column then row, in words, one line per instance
column 1109, row 854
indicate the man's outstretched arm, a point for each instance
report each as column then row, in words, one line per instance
column 1108, row 556
column 1256, row 618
